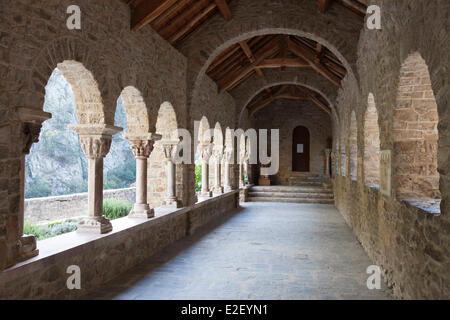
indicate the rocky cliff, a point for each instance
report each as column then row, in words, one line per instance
column 56, row 164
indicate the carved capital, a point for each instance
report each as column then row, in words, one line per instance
column 95, row 139
column 142, row 145
column 95, row 146
column 32, row 120
column 169, row 148
column 30, row 133
column 206, row 151
column 142, row 148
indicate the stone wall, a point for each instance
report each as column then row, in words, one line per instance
column 41, row 210
column 102, row 257
column 285, row 115
column 406, row 240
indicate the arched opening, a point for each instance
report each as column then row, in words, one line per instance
column 371, row 144
column 217, row 155
column 300, row 149
column 353, row 147
column 343, row 151
column 415, row 133
column 72, row 97
column 166, row 126
column 202, row 157
column 119, row 164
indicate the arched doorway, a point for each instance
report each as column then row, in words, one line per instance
column 300, row 149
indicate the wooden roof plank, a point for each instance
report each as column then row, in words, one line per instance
column 192, row 23
column 147, row 11
column 305, row 53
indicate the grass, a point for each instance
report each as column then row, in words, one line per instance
column 112, row 209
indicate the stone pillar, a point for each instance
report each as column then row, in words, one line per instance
column 25, row 245
column 217, row 154
column 95, row 141
column 169, row 148
column 206, row 151
column 226, row 167
column 142, row 147
column 327, row 163
column 333, row 164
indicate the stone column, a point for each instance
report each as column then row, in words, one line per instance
column 25, row 245
column 206, row 151
column 142, row 147
column 333, row 164
column 226, row 167
column 327, row 162
column 95, row 141
column 218, row 154
column 169, row 148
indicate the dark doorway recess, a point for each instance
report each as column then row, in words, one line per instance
column 300, row 149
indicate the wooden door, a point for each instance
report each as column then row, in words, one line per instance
column 300, row 149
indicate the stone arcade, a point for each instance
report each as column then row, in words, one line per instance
column 364, row 144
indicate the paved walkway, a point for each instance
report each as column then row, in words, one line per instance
column 264, row 251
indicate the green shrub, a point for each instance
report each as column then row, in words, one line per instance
column 114, row 208
column 198, row 178
column 39, row 232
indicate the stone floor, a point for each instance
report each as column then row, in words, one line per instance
column 263, row 251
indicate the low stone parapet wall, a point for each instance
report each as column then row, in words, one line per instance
column 131, row 242
column 41, row 210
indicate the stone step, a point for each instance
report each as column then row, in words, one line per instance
column 302, row 195
column 301, row 189
column 290, row 200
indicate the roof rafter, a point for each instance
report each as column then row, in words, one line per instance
column 224, row 9
column 309, row 56
column 147, row 11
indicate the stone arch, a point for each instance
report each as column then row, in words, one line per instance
column 136, row 110
column 353, row 147
column 270, row 17
column 415, row 133
column 307, row 78
column 76, row 62
column 371, row 143
column 253, row 88
column 166, row 126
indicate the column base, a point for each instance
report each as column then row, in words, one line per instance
column 217, row 191
column 172, row 203
column 97, row 225
column 206, row 194
column 27, row 247
column 227, row 188
column 141, row 211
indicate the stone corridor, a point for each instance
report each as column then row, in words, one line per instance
column 262, row 251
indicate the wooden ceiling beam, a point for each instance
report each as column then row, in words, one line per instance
column 180, row 20
column 231, row 79
column 169, row 14
column 266, row 101
column 309, row 56
column 147, row 11
column 283, row 62
column 249, row 54
column 224, row 9
column 324, row 5
column 205, row 11
column 283, row 48
column 311, row 96
column 355, row 5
